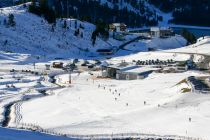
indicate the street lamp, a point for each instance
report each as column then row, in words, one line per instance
column 69, row 69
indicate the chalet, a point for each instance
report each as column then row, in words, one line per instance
column 118, row 27
column 162, row 32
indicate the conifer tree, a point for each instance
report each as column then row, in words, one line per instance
column 11, row 20
column 64, row 24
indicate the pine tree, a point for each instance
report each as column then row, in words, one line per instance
column 93, row 37
column 76, row 32
column 75, row 24
column 188, row 36
column 11, row 20
column 64, row 24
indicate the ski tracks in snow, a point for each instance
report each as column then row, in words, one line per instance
column 18, row 116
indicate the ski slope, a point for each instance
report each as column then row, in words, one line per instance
column 118, row 107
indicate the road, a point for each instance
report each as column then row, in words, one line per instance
column 187, row 53
column 122, row 47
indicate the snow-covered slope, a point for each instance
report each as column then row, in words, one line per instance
column 158, row 44
column 33, row 35
column 201, row 47
column 150, row 10
column 118, row 107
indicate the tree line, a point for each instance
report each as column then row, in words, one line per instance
column 92, row 11
column 187, row 12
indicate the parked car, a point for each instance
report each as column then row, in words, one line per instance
column 97, row 62
column 12, row 70
column 75, row 61
column 85, row 63
column 70, row 67
column 91, row 66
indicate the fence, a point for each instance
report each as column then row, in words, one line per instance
column 37, row 128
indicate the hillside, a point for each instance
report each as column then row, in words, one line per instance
column 138, row 13
column 186, row 12
column 4, row 3
column 33, row 35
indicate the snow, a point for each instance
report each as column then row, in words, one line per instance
column 142, row 69
column 12, row 134
column 86, row 109
column 92, row 105
column 159, row 44
column 33, row 35
column 201, row 47
column 20, row 90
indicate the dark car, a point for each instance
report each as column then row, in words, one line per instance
column 75, row 61
column 85, row 63
column 12, row 70
column 97, row 62
column 91, row 66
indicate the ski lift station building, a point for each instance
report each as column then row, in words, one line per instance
column 125, row 71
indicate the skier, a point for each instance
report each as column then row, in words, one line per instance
column 5, row 42
column 190, row 119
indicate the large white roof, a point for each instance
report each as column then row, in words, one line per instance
column 141, row 69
